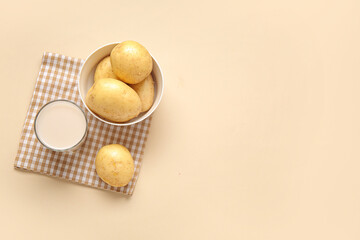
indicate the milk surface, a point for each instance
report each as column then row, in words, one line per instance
column 61, row 125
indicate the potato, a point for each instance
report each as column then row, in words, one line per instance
column 145, row 90
column 104, row 70
column 131, row 62
column 114, row 165
column 113, row 100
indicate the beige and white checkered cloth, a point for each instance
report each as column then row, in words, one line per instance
column 57, row 79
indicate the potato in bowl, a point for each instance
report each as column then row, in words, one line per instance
column 86, row 80
column 113, row 100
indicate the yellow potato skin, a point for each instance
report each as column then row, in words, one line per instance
column 145, row 90
column 113, row 100
column 104, row 70
column 131, row 62
column 114, row 165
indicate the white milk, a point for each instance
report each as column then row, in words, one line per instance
column 61, row 125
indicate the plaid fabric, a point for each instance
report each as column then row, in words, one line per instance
column 57, row 79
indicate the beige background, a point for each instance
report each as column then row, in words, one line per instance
column 257, row 136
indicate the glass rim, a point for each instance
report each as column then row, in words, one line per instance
column 61, row 149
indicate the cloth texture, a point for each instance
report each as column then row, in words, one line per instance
column 58, row 80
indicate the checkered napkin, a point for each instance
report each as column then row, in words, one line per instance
column 57, row 79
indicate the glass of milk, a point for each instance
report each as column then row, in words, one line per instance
column 61, row 125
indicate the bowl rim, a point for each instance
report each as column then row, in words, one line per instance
column 147, row 113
